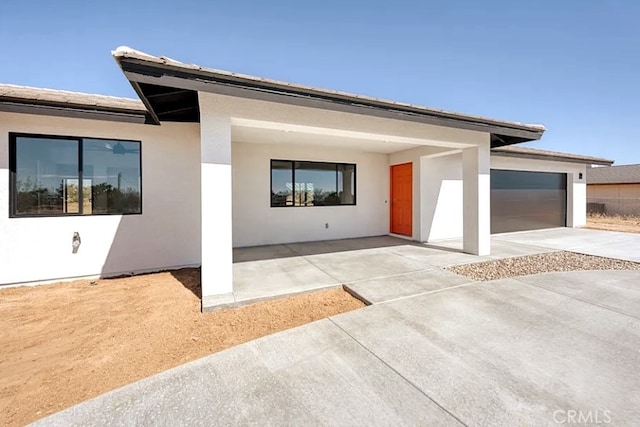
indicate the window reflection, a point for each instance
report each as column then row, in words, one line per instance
column 46, row 176
column 281, row 183
column 300, row 183
column 347, row 184
column 48, row 179
column 316, row 184
column 112, row 174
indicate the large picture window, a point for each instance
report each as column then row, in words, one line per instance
column 53, row 175
column 297, row 183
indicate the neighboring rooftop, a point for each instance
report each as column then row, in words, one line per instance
column 169, row 90
column 28, row 99
column 623, row 174
column 535, row 153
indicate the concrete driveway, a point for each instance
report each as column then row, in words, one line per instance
column 592, row 242
column 537, row 350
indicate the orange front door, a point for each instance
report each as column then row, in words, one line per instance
column 401, row 199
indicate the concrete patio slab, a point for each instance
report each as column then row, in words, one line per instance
column 502, row 249
column 618, row 291
column 364, row 264
column 629, row 250
column 450, row 252
column 277, row 270
column 416, row 251
column 344, row 245
column 259, row 253
column 447, row 259
column 259, row 279
column 316, row 375
column 264, row 272
column 404, row 285
column 427, row 254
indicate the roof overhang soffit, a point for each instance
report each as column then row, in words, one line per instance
column 141, row 72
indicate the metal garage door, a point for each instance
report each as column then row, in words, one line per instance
column 527, row 200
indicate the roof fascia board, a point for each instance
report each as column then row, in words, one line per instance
column 142, row 72
column 274, row 86
column 551, row 158
column 74, row 113
column 612, row 182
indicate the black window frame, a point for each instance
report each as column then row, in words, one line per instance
column 13, row 193
column 293, row 179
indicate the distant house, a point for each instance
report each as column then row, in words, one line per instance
column 614, row 190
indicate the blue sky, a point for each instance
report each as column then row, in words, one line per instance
column 572, row 65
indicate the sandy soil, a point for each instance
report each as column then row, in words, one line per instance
column 64, row 343
column 630, row 224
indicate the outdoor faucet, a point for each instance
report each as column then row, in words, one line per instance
column 75, row 242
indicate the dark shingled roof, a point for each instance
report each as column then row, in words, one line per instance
column 549, row 155
column 623, row 174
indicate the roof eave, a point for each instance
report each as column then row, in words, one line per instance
column 168, row 74
column 612, row 183
column 61, row 109
column 557, row 158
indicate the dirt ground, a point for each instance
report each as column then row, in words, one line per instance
column 64, row 343
column 628, row 224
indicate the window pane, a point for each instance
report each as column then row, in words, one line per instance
column 281, row 183
column 46, row 176
column 347, row 184
column 301, row 183
column 111, row 172
column 316, row 184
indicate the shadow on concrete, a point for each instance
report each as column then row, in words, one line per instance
column 289, row 250
column 442, row 247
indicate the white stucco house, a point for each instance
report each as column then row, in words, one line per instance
column 209, row 160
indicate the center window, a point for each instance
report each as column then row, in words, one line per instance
column 298, row 183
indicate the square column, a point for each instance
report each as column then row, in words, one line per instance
column 576, row 199
column 476, row 189
column 215, row 187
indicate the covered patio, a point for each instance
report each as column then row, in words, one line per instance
column 374, row 269
column 248, row 122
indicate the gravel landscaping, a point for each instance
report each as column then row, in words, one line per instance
column 540, row 263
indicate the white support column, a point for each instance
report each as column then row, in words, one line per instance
column 476, row 166
column 216, row 221
column 577, row 199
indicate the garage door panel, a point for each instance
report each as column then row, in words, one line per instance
column 523, row 200
column 510, row 203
